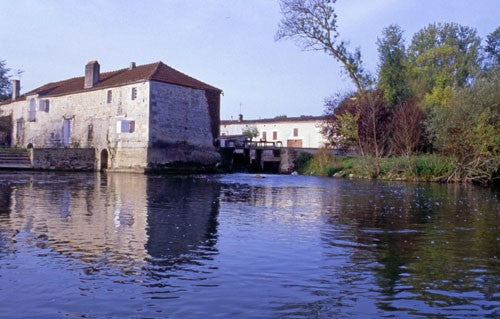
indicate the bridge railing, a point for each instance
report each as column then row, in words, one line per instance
column 253, row 144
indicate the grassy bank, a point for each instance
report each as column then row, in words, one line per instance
column 427, row 167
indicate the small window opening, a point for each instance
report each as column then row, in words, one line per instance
column 32, row 111
column 44, row 106
column 295, row 132
column 126, row 126
column 275, row 135
column 110, row 96
column 134, row 93
column 90, row 133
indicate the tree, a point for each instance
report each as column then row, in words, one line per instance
column 469, row 130
column 492, row 48
column 442, row 56
column 5, row 86
column 341, row 123
column 393, row 71
column 313, row 26
column 251, row 132
column 361, row 123
column 407, row 128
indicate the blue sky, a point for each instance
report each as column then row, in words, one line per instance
column 226, row 43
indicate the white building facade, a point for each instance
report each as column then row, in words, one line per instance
column 296, row 132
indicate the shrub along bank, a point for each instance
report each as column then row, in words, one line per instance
column 424, row 167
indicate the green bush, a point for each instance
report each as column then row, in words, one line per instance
column 302, row 161
column 433, row 166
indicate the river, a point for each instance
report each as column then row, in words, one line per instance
column 238, row 246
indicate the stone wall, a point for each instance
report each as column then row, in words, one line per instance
column 94, row 123
column 64, row 159
column 180, row 126
column 172, row 124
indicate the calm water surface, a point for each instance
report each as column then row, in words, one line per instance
column 236, row 246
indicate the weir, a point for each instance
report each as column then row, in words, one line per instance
column 262, row 156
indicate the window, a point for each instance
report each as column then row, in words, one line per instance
column 264, row 136
column 90, row 133
column 275, row 135
column 66, row 131
column 134, row 93
column 110, row 96
column 19, row 131
column 32, row 111
column 125, row 126
column 44, row 105
column 295, row 132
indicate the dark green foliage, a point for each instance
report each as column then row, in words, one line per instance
column 302, row 161
column 442, row 56
column 469, row 129
column 393, row 71
column 492, row 49
column 5, row 86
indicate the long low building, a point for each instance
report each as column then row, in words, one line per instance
column 298, row 132
column 140, row 117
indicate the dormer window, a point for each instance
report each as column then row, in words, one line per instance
column 134, row 93
column 110, row 96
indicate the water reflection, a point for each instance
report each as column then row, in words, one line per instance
column 422, row 250
column 118, row 220
column 128, row 245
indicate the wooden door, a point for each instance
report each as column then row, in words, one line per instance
column 294, row 143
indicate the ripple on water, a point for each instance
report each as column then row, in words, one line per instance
column 129, row 245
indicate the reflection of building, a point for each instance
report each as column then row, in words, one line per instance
column 137, row 117
column 5, row 199
column 120, row 219
column 181, row 215
column 304, row 131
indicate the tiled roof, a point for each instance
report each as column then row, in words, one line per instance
column 158, row 71
column 280, row 119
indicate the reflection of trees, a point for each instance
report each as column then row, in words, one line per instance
column 459, row 248
column 425, row 237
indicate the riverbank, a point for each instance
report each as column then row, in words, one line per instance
column 424, row 167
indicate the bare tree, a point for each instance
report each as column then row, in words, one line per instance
column 313, row 26
column 407, row 128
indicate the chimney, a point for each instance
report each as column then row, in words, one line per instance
column 240, row 117
column 132, row 66
column 16, row 89
column 91, row 74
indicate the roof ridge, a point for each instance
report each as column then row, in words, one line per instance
column 156, row 71
column 157, row 67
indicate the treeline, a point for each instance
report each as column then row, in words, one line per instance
column 436, row 98
column 441, row 94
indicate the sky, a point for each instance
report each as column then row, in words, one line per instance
column 226, row 43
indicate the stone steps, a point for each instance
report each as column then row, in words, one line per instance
column 17, row 159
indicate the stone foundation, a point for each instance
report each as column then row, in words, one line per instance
column 182, row 155
column 83, row 159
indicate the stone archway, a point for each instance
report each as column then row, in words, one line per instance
column 104, row 159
